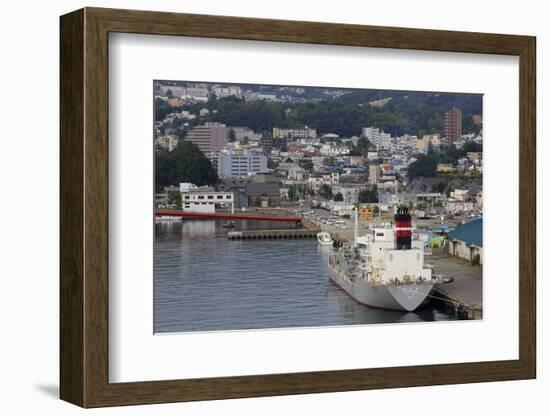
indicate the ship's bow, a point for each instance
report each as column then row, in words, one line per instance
column 411, row 296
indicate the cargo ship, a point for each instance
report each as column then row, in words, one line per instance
column 385, row 268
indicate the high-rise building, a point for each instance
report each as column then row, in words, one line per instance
column 453, row 125
column 209, row 137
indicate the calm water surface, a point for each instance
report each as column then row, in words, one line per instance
column 204, row 282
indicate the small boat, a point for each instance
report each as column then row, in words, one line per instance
column 324, row 238
column 228, row 224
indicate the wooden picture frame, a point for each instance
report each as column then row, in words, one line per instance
column 84, row 207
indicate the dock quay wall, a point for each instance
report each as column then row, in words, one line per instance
column 271, row 234
column 460, row 306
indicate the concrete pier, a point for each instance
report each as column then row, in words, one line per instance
column 465, row 292
column 271, row 234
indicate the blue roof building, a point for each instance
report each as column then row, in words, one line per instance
column 471, row 233
column 466, row 241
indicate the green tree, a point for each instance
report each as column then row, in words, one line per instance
column 363, row 147
column 368, row 195
column 162, row 108
column 472, row 147
column 450, row 154
column 174, row 197
column 325, row 191
column 232, row 137
column 439, row 187
column 339, row 197
column 292, row 192
column 186, row 163
column 406, row 112
column 424, row 165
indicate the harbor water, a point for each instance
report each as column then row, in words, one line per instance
column 205, row 282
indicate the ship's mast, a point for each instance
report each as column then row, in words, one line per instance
column 379, row 209
column 355, row 227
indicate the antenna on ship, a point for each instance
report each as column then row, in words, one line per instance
column 379, row 209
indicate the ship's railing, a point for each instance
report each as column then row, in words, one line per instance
column 439, row 279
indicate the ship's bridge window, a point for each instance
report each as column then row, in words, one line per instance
column 380, row 234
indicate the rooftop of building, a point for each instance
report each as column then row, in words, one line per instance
column 263, row 189
column 471, row 233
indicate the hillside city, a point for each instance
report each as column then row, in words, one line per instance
column 275, row 146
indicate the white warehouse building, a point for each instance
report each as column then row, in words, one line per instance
column 204, row 199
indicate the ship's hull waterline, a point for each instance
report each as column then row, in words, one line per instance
column 406, row 298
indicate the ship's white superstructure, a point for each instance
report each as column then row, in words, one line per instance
column 385, row 268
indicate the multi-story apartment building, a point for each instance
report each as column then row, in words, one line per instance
column 242, row 133
column 187, row 93
column 234, row 165
column 305, row 133
column 380, row 139
column 317, row 179
column 177, row 91
column 423, row 144
column 209, row 137
column 268, row 143
column 453, row 125
column 227, row 91
column 333, row 150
